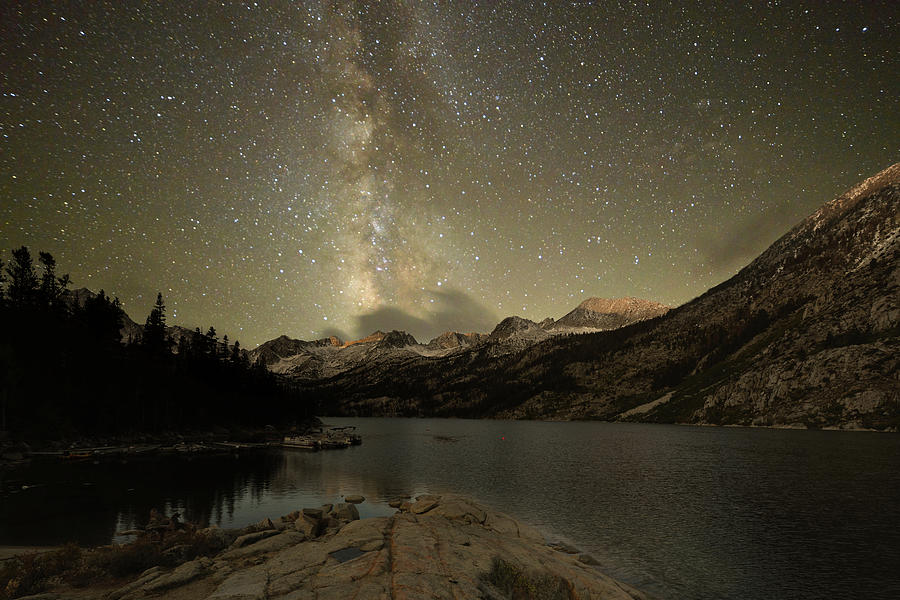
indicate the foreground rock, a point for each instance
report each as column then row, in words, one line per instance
column 437, row 547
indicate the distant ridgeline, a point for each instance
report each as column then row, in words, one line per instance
column 66, row 370
column 806, row 335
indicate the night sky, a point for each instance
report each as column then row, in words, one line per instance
column 332, row 168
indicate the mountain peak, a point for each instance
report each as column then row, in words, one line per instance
column 510, row 326
column 610, row 313
column 397, row 339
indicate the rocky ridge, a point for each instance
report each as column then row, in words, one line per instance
column 310, row 361
column 807, row 335
column 433, row 547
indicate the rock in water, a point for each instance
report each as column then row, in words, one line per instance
column 346, row 512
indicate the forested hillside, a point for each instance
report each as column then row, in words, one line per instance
column 65, row 370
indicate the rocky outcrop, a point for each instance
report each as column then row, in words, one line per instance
column 436, row 547
column 605, row 314
column 283, row 347
column 396, row 339
column 511, row 326
column 452, row 340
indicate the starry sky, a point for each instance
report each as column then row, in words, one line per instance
column 313, row 168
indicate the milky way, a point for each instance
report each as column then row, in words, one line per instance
column 333, row 167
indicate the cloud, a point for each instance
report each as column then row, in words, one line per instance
column 387, row 318
column 452, row 310
column 739, row 246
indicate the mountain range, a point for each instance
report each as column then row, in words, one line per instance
column 806, row 335
column 328, row 357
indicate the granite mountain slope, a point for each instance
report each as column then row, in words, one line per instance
column 808, row 334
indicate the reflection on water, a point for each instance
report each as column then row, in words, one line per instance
column 680, row 512
column 52, row 502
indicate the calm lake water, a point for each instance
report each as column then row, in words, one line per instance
column 680, row 512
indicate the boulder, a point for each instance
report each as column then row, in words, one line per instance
column 311, row 528
column 315, row 514
column 423, row 504
column 331, row 524
column 345, row 512
column 291, row 517
column 283, row 525
column 354, row 499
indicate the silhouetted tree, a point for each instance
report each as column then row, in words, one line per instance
column 86, row 382
column 237, row 355
column 184, row 347
column 103, row 317
column 23, row 282
column 210, row 341
column 155, row 338
column 52, row 287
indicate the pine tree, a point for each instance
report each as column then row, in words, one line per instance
column 52, row 287
column 2, row 282
column 211, row 342
column 197, row 341
column 23, row 282
column 103, row 317
column 184, row 347
column 155, row 337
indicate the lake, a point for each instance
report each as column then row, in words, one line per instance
column 679, row 512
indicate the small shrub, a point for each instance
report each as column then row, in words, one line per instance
column 31, row 573
column 85, row 575
column 128, row 559
column 515, row 584
column 34, row 573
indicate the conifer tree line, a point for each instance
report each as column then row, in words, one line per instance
column 65, row 370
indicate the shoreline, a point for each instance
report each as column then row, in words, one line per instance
column 433, row 546
column 15, row 451
column 312, row 436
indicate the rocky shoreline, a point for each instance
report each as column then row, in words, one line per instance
column 223, row 441
column 432, row 547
